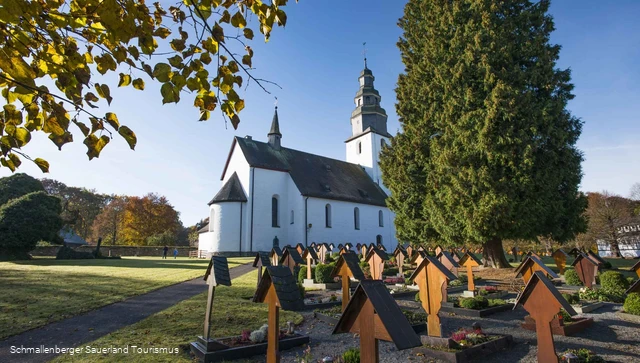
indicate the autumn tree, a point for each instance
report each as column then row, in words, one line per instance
column 80, row 206
column 194, row 47
column 146, row 217
column 487, row 149
column 108, row 223
column 607, row 215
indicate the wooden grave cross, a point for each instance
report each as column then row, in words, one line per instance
column 262, row 259
column 635, row 287
column 380, row 246
column 447, row 261
column 374, row 314
column 376, row 258
column 323, row 249
column 432, row 279
column 343, row 250
column 340, row 246
column 348, row 246
column 277, row 288
column 409, row 250
column 400, row 254
column 543, row 302
column 347, row 267
column 417, row 257
column 455, row 255
column 331, row 247
column 597, row 258
column 300, row 248
column 587, row 269
column 470, row 261
column 438, row 250
column 275, row 255
column 636, row 268
column 311, row 257
column 560, row 257
column 530, row 265
column 217, row 274
column 292, row 259
column 363, row 250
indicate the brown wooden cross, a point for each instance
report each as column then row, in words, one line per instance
column 277, row 288
column 470, row 261
column 446, row 259
column 586, row 268
column 323, row 249
column 363, row 250
column 275, row 255
column 432, row 279
column 543, row 302
column 530, row 265
column 438, row 249
column 376, row 258
column 291, row 258
column 374, row 314
column 560, row 257
column 311, row 257
column 347, row 267
column 300, row 248
column 262, row 259
column 400, row 254
column 217, row 274
column 409, row 250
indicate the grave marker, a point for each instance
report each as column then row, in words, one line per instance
column 560, row 257
column 300, row 247
column 331, row 247
column 447, row 261
column 262, row 259
column 322, row 249
column 348, row 246
column 438, row 250
column 636, row 268
column 277, row 288
column 275, row 255
column 380, row 246
column 400, row 254
column 543, row 302
column 347, row 267
column 311, row 257
column 376, row 259
column 291, row 259
column 530, row 265
column 470, row 261
column 375, row 315
column 597, row 258
column 409, row 250
column 586, row 268
column 432, row 279
column 417, row 258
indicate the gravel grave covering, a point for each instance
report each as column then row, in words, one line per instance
column 610, row 337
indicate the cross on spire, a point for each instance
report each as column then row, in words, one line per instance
column 364, row 53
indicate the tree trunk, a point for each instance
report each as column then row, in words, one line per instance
column 493, row 254
column 615, row 249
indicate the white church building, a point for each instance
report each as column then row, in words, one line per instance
column 275, row 195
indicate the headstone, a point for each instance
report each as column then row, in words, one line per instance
column 376, row 259
column 311, row 257
column 262, row 259
column 447, row 261
column 560, row 257
column 417, row 258
column 530, row 265
column 300, row 247
column 470, row 261
column 322, row 249
column 374, row 314
column 409, row 250
column 347, row 267
column 586, row 268
column 400, row 254
column 275, row 255
column 292, row 259
column 543, row 302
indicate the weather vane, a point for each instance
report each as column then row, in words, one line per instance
column 276, row 103
column 364, row 53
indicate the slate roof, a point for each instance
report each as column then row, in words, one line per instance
column 348, row 245
column 285, row 286
column 275, row 124
column 204, row 229
column 220, row 268
column 468, row 255
column 263, row 257
column 314, row 176
column 400, row 249
column 448, row 256
column 417, row 254
column 295, row 256
column 352, row 261
column 634, row 288
column 310, row 251
column 430, row 259
column 394, row 321
column 231, row 191
column 277, row 251
column 538, row 276
column 531, row 260
column 383, row 255
column 71, row 237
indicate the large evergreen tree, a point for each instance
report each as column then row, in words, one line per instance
column 487, row 147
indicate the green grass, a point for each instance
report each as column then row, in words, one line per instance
column 179, row 325
column 41, row 291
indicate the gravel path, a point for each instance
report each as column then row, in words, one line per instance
column 610, row 337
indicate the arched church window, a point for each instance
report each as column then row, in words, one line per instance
column 383, row 143
column 380, row 219
column 359, row 102
column 356, row 218
column 274, row 211
column 359, row 147
column 291, row 216
column 327, row 215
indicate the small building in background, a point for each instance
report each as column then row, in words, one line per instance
column 629, row 242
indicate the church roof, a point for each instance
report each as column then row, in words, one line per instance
column 315, row 176
column 366, row 131
column 275, row 124
column 231, row 191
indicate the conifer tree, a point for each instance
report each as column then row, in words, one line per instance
column 487, row 147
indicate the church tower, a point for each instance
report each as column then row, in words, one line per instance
column 368, row 128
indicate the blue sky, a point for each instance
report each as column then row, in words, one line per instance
column 317, row 59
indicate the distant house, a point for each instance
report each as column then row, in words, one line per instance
column 628, row 242
column 71, row 239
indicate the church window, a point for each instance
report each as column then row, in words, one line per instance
column 356, row 218
column 291, row 216
column 383, row 143
column 359, row 147
column 274, row 212
column 327, row 215
column 380, row 219
column 359, row 102
column 367, row 100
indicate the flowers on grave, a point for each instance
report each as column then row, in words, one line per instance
column 564, row 316
column 468, row 338
column 260, row 335
column 582, row 355
column 394, row 280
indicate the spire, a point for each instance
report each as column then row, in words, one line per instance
column 368, row 113
column 274, row 134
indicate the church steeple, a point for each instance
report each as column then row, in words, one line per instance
column 368, row 113
column 274, row 134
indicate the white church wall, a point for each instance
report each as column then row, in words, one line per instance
column 239, row 165
column 225, row 227
column 342, row 223
column 370, row 145
column 296, row 229
column 206, row 241
column 268, row 183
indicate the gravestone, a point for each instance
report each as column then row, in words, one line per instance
column 277, row 288
column 543, row 302
column 594, row 256
column 331, row 247
column 560, row 257
column 275, row 255
column 262, row 259
column 376, row 259
column 347, row 267
column 291, row 259
column 409, row 250
column 311, row 257
column 470, row 261
column 417, row 258
column 322, row 249
column 400, row 254
column 586, row 268
column 530, row 265
column 217, row 274
column 300, row 247
column 432, row 279
column 374, row 314
column 348, row 246
column 446, row 259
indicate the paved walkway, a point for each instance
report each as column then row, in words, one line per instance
column 81, row 329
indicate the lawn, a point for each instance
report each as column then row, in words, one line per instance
column 40, row 291
column 179, row 325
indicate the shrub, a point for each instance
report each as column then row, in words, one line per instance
column 407, row 281
column 571, row 277
column 27, row 220
column 588, row 294
column 630, row 280
column 475, row 303
column 18, row 185
column 302, row 273
column 632, row 303
column 351, row 356
column 583, row 356
column 68, row 253
column 390, row 271
column 417, row 297
column 613, row 281
column 496, row 302
column 571, row 298
column 323, row 273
